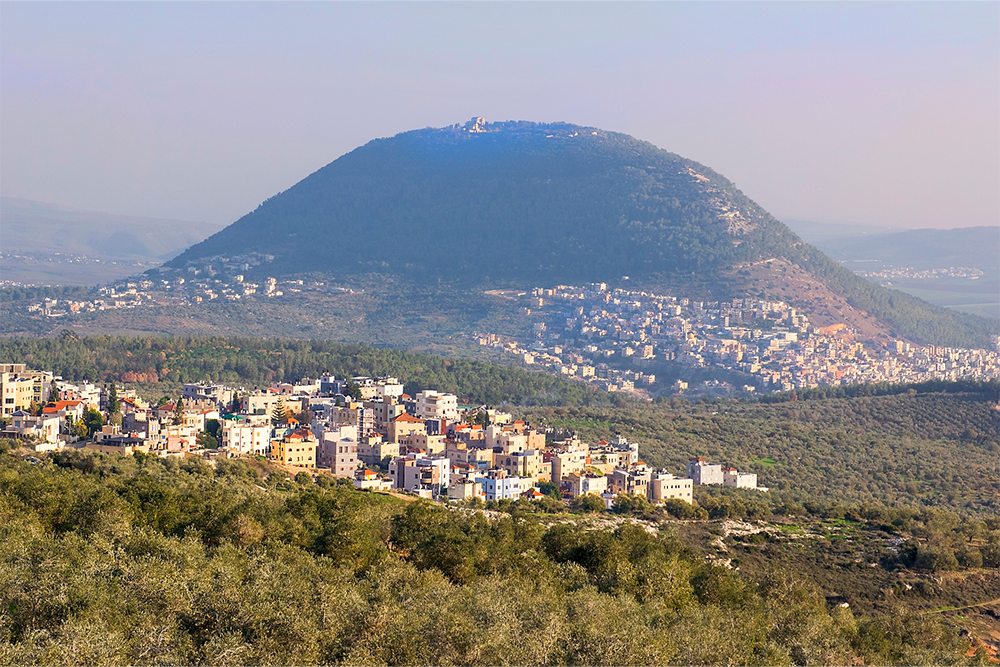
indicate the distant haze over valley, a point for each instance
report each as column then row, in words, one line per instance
column 957, row 268
column 48, row 244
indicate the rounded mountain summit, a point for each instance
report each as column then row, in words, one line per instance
column 523, row 204
column 512, row 202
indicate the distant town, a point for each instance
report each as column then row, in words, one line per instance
column 582, row 329
column 614, row 338
column 910, row 272
column 362, row 429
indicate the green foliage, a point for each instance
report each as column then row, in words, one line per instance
column 93, row 420
column 279, row 414
column 114, row 405
column 259, row 362
column 126, row 560
column 630, row 503
column 527, row 203
column 178, row 416
column 932, row 445
column 206, row 440
column 550, row 489
column 353, row 390
column 587, row 503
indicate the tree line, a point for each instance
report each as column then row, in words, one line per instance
column 141, row 560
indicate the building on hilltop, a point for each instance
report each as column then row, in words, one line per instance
column 739, row 480
column 664, row 486
column 704, row 473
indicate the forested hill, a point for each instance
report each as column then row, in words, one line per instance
column 256, row 362
column 523, row 204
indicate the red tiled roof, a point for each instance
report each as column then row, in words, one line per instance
column 56, row 406
column 407, row 417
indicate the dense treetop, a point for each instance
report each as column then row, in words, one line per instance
column 140, row 560
column 257, row 362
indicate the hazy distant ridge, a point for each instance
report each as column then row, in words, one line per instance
column 31, row 226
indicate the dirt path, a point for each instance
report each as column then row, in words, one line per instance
column 988, row 603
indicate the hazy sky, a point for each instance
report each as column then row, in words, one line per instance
column 883, row 114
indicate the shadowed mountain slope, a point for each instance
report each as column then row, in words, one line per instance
column 522, row 203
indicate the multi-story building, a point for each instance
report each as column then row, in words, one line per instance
column 383, row 411
column 218, row 394
column 464, row 489
column 242, row 436
column 434, row 405
column 586, row 482
column 297, row 448
column 566, row 462
column 68, row 412
column 372, row 449
column 530, row 464
column 432, row 444
column 417, row 473
column 45, row 429
column 497, row 485
column 20, row 386
column 664, row 486
column 635, row 481
column 739, row 480
column 338, row 451
column 87, row 392
column 704, row 473
column 460, row 453
column 353, row 413
column 406, row 424
column 261, row 402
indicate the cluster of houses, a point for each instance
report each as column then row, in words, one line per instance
column 366, row 429
column 614, row 337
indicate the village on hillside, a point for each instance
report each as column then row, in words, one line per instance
column 582, row 332
column 362, row 429
column 612, row 338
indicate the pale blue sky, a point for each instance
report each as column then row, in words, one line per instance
column 883, row 114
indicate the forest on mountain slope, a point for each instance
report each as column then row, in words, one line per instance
column 524, row 204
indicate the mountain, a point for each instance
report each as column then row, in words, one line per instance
column 957, row 268
column 922, row 249
column 520, row 203
column 36, row 227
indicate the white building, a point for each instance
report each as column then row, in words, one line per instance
column 739, row 480
column 498, row 486
column 413, row 473
column 432, row 405
column 44, row 428
column 664, row 486
column 704, row 473
column 243, row 437
column 583, row 483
